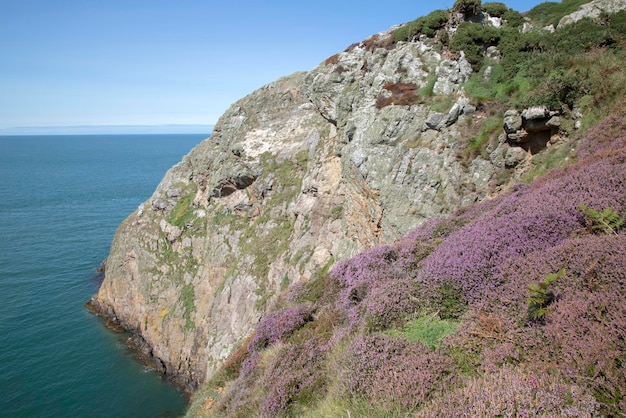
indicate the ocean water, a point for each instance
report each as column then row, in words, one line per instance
column 61, row 199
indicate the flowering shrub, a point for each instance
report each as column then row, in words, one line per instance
column 583, row 332
column 472, row 270
column 390, row 370
column 296, row 374
column 528, row 220
column 278, row 325
column 374, row 290
column 608, row 136
column 511, row 392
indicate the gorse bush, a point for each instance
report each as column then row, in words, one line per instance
column 473, row 39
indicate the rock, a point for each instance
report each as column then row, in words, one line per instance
column 512, row 121
column 592, row 10
column 536, row 112
column 434, row 120
column 514, row 156
column 306, row 171
column 159, row 204
column 518, row 137
column 453, row 114
column 451, row 74
column 174, row 192
column 554, row 122
column 468, row 109
column 493, row 53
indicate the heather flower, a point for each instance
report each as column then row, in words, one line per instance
column 278, row 325
column 513, row 392
column 296, row 374
column 394, row 371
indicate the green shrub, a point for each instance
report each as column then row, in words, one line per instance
column 495, row 9
column 467, row 7
column 513, row 18
column 427, row 25
column 434, row 21
column 473, row 39
column 182, row 212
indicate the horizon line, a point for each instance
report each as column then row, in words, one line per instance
column 105, row 129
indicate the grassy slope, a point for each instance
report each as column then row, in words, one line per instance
column 510, row 307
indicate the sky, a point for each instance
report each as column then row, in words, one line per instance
column 156, row 62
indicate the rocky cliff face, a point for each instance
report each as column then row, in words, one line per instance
column 306, row 171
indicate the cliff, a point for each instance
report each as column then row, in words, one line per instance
column 301, row 173
column 312, row 169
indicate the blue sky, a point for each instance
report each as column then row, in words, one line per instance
column 136, row 62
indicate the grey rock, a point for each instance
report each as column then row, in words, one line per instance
column 493, row 53
column 592, row 10
column 277, row 163
column 514, row 156
column 453, row 114
column 535, row 112
column 554, row 122
column 434, row 120
column 174, row 192
column 512, row 121
column 518, row 137
column 159, row 204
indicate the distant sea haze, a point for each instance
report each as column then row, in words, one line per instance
column 63, row 197
column 108, row 130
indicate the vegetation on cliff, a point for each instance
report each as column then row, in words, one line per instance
column 509, row 307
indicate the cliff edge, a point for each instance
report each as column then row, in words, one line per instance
column 304, row 172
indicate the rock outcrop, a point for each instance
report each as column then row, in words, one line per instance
column 592, row 10
column 305, row 171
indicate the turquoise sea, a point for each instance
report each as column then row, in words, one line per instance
column 61, row 199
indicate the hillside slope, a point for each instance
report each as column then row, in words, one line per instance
column 398, row 131
column 511, row 307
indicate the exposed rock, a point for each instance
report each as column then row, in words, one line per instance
column 305, row 171
column 514, row 156
column 450, row 74
column 535, row 112
column 532, row 129
column 593, row 10
column 434, row 120
column 512, row 121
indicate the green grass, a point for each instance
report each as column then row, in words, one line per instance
column 549, row 13
column 428, row 329
column 182, row 212
column 187, row 298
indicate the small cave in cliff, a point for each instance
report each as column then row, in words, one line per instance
column 536, row 142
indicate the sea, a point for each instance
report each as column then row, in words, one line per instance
column 61, row 200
